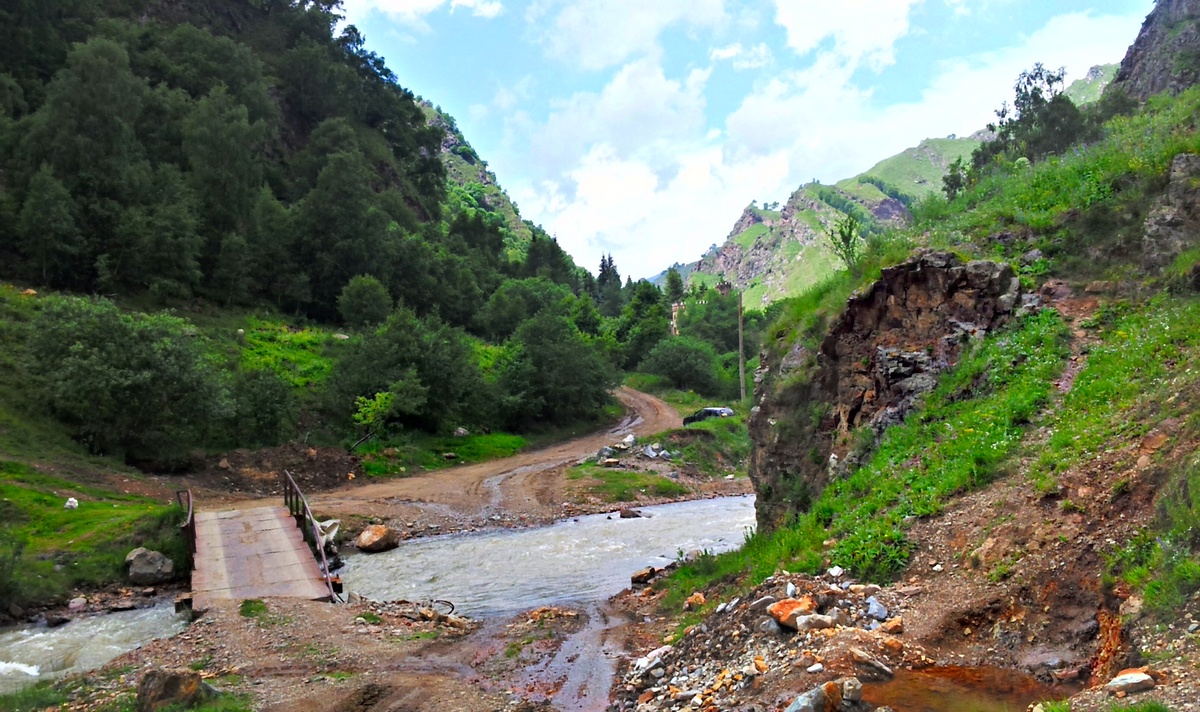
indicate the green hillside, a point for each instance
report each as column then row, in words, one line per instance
column 1088, row 89
column 471, row 186
column 783, row 255
column 918, row 171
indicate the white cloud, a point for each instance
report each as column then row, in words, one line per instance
column 863, row 31
column 413, row 12
column 640, row 112
column 596, row 34
column 479, row 8
column 621, row 206
column 755, row 57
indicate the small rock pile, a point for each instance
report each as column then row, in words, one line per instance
column 788, row 627
column 398, row 617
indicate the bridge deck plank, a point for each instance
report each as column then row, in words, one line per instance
column 252, row 553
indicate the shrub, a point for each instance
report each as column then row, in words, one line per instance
column 364, row 302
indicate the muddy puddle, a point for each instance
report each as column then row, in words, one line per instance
column 960, row 689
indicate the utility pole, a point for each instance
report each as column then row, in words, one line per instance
column 741, row 352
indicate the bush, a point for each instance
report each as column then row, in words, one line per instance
column 264, row 408
column 130, row 384
column 364, row 302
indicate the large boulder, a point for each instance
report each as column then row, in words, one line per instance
column 159, row 688
column 148, row 568
column 376, row 538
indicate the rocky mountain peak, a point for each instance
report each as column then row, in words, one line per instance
column 1166, row 54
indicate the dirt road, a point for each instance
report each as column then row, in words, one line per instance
column 526, row 488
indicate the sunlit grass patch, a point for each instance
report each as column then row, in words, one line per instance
column 620, row 485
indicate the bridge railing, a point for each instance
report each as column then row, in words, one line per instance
column 298, row 507
column 184, row 497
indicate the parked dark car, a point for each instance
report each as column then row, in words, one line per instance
column 706, row 413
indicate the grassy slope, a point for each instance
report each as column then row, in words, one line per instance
column 918, row 171
column 974, row 426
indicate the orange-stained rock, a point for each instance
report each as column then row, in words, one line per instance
column 895, row 626
column 786, row 612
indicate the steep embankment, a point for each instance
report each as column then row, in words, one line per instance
column 819, row 406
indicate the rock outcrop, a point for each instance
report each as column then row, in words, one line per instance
column 1173, row 225
column 884, row 351
column 1166, row 54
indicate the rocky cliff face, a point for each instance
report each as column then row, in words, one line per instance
column 1166, row 54
column 885, row 350
column 1173, row 224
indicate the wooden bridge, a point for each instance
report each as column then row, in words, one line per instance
column 257, row 553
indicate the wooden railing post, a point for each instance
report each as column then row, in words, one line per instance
column 184, row 498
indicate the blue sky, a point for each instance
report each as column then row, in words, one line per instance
column 642, row 128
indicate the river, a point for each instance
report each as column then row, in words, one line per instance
column 576, row 561
column 28, row 654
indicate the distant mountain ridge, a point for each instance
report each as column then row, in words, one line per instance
column 774, row 251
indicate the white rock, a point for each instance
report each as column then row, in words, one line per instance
column 72, row 503
column 1130, row 682
column 814, row 669
column 836, row 572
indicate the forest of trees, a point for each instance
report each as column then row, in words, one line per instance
column 249, row 155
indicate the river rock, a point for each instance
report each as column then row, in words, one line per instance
column 148, row 568
column 631, row 514
column 628, row 441
column 159, row 688
column 876, row 610
column 461, row 432
column 642, row 576
column 1130, row 681
column 851, row 689
column 77, row 604
column 376, row 538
